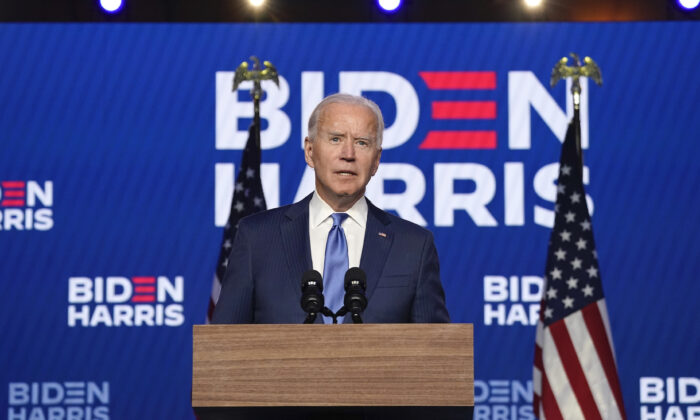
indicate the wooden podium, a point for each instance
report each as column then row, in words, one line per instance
column 333, row 371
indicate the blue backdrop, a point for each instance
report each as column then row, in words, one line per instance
column 114, row 176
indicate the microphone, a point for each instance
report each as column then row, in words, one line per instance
column 311, row 294
column 355, row 286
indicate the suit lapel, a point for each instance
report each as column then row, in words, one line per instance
column 378, row 239
column 295, row 239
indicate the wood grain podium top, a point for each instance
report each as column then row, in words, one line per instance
column 333, row 365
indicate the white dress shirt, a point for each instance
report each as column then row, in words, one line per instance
column 320, row 223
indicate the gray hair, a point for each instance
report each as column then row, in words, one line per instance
column 345, row 98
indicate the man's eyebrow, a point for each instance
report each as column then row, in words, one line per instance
column 369, row 139
column 336, row 134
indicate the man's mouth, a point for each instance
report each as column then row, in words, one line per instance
column 345, row 173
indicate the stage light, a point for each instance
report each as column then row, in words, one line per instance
column 256, row 3
column 533, row 3
column 389, row 5
column 111, row 6
column 689, row 4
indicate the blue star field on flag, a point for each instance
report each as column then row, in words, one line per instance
column 572, row 277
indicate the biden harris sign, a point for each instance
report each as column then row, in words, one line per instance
column 121, row 143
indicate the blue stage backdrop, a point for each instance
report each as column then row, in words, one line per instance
column 119, row 144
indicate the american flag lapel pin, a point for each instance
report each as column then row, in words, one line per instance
column 382, row 234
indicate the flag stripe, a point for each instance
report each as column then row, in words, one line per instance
column 584, row 343
column 537, row 382
column 210, row 310
column 215, row 289
column 574, row 372
column 603, row 309
column 538, row 358
column 554, row 374
column 549, row 408
column 540, row 330
column 596, row 328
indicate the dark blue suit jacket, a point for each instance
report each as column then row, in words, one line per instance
column 272, row 251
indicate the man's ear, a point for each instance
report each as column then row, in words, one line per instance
column 375, row 164
column 309, row 151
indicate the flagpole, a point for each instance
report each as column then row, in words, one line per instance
column 257, row 75
column 576, row 93
column 578, row 70
column 256, row 94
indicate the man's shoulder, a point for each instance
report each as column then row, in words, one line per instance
column 400, row 225
column 273, row 217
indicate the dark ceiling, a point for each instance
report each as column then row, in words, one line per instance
column 342, row 11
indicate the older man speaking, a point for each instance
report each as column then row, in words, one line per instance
column 331, row 230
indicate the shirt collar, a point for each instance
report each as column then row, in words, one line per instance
column 319, row 211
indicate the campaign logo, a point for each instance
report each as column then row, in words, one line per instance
column 512, row 300
column 450, row 201
column 504, row 399
column 58, row 400
column 125, row 302
column 26, row 205
column 672, row 398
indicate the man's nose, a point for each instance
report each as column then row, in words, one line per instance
column 348, row 150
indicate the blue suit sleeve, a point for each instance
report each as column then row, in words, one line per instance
column 235, row 305
column 429, row 301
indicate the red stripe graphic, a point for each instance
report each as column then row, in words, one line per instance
column 145, row 289
column 459, row 140
column 596, row 328
column 143, row 299
column 574, row 372
column 549, row 403
column 14, row 193
column 474, row 110
column 13, row 184
column 12, row 203
column 143, row 280
column 459, row 80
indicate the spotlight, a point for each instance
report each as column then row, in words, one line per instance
column 111, row 6
column 389, row 5
column 256, row 3
column 689, row 4
column 533, row 3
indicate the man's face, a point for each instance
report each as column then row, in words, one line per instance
column 344, row 153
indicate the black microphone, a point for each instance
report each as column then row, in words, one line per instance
column 311, row 294
column 355, row 286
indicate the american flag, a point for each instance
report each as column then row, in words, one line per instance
column 248, row 198
column 575, row 373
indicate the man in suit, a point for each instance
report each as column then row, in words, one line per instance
column 332, row 229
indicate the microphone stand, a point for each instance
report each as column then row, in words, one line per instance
column 341, row 312
column 328, row 312
column 356, row 319
column 310, row 318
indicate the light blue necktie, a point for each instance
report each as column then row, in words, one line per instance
column 335, row 266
